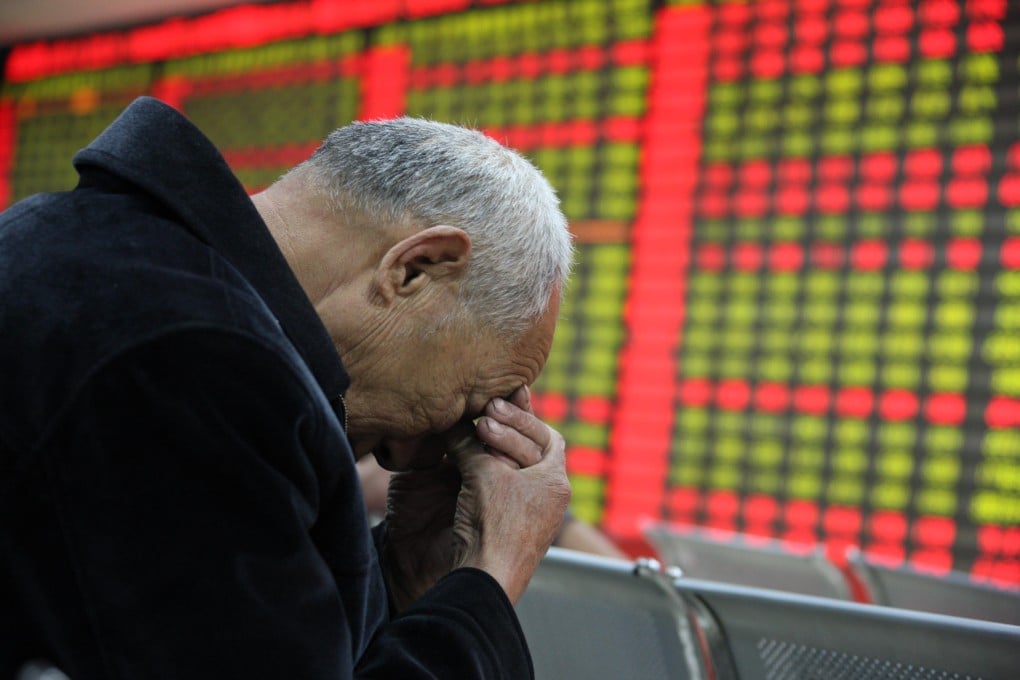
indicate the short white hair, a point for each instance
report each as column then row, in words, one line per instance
column 425, row 173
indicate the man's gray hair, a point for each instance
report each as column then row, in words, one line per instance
column 425, row 173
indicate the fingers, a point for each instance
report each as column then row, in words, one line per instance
column 521, row 398
column 517, row 433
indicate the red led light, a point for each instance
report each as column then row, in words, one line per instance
column 836, row 168
column 801, row 514
column 772, row 10
column 812, row 6
column 731, row 41
column 719, row 174
column 972, row 160
column 916, row 254
column 936, row 43
column 720, row 503
column 923, row 163
column 630, row 52
column 986, row 9
column 733, row 395
column 728, row 69
column 931, row 561
column 827, row 255
column 990, row 538
column 770, row 35
column 891, row 48
column 621, row 129
column 945, row 408
column 985, row 36
column 869, row 255
column 760, row 509
column 786, row 256
column 893, row 18
column 854, row 402
column 1010, row 253
column 811, row 29
column 695, row 392
column 683, row 501
column 967, row 192
column 874, row 197
column 796, row 170
column 812, row 399
column 919, row 194
column 551, row 406
column 713, row 204
column 593, row 409
column 939, row 12
column 887, row 554
column 751, row 203
column 964, row 253
column 421, row 8
column 807, row 59
column 710, row 257
column 767, row 63
column 756, row 173
column 734, row 13
column 747, row 256
column 848, row 53
column 586, row 461
column 888, row 526
column 590, row 57
column 1002, row 412
column 879, row 167
column 772, row 397
column 1009, row 190
column 832, row 199
column 934, row 532
column 851, row 24
column 841, row 519
column 792, row 200
column 898, row 405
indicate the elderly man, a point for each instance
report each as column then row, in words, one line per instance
column 178, row 495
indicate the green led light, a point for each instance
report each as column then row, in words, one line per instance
column 1006, row 381
column 977, row 100
column 816, row 371
column 888, row 496
column 992, row 507
column 725, row 477
column 897, row 435
column 938, row 502
column 1002, row 443
column 895, row 464
column 845, row 491
column 585, row 434
column 948, row 378
column 804, row 486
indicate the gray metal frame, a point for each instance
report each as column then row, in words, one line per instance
column 597, row 618
column 777, row 635
column 591, row 618
column 729, row 558
column 953, row 593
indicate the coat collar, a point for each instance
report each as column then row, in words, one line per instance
column 154, row 147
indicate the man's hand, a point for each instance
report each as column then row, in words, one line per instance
column 512, row 500
column 496, row 507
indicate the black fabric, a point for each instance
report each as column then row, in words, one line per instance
column 177, row 496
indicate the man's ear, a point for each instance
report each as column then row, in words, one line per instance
column 429, row 255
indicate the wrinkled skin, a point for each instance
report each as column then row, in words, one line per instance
column 438, row 517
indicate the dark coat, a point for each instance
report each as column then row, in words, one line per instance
column 177, row 495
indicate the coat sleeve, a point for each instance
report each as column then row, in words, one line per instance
column 210, row 537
